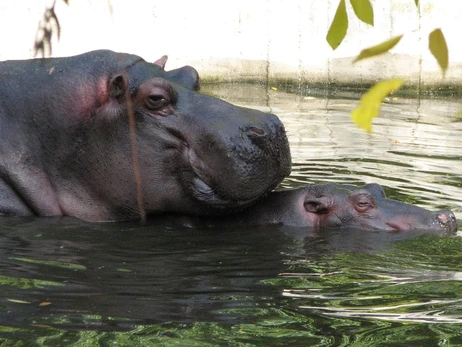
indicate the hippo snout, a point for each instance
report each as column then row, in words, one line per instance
column 236, row 154
column 270, row 137
column 254, row 160
column 446, row 220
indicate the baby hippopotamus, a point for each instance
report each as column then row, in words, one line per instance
column 336, row 205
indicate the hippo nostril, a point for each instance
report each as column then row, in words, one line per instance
column 256, row 131
column 256, row 134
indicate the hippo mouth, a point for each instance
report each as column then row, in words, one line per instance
column 202, row 191
column 442, row 221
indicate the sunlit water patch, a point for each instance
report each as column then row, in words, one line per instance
column 67, row 282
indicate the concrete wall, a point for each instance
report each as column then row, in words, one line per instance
column 263, row 40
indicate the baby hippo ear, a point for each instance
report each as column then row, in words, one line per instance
column 375, row 189
column 161, row 62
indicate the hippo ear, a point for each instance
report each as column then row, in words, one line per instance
column 187, row 76
column 161, row 61
column 118, row 86
column 316, row 205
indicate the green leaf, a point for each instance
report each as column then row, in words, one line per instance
column 18, row 301
column 52, row 263
column 369, row 105
column 363, row 10
column 439, row 49
column 339, row 26
column 416, row 3
column 378, row 49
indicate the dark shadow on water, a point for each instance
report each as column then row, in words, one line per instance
column 68, row 274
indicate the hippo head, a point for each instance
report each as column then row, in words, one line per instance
column 159, row 143
column 367, row 207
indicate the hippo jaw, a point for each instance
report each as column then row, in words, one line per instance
column 205, row 191
column 202, row 192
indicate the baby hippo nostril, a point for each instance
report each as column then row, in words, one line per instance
column 442, row 218
column 447, row 220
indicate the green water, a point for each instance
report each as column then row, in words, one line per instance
column 64, row 282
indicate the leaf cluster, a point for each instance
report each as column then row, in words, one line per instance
column 369, row 106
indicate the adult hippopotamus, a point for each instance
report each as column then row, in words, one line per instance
column 331, row 205
column 108, row 136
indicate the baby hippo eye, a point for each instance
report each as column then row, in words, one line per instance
column 362, row 201
column 364, row 205
column 156, row 102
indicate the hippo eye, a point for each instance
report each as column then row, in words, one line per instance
column 156, row 102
